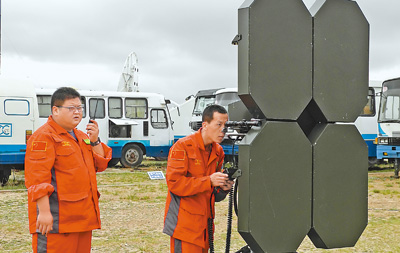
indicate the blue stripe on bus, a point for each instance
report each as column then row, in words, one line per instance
column 229, row 150
column 381, row 130
column 12, row 148
column 369, row 136
column 157, row 151
column 371, row 148
column 177, row 137
column 153, row 151
column 12, row 154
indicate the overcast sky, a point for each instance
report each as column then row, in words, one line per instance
column 182, row 45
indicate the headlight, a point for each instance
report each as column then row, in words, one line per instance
column 383, row 141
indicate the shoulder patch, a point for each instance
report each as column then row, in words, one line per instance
column 178, row 155
column 39, row 146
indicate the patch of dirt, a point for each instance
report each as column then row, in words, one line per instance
column 383, row 195
column 132, row 214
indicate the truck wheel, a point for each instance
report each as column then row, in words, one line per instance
column 132, row 156
column 372, row 162
column 113, row 162
column 4, row 175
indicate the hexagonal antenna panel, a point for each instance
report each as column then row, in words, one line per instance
column 274, row 212
column 340, row 186
column 341, row 45
column 275, row 58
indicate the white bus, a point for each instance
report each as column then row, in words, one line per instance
column 133, row 124
column 18, row 119
column 367, row 122
column 389, row 123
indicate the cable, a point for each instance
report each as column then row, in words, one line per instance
column 211, row 229
column 210, row 235
column 229, row 223
column 235, row 194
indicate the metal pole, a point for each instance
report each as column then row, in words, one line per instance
column 396, row 167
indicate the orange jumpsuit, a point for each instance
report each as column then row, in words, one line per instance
column 190, row 200
column 58, row 165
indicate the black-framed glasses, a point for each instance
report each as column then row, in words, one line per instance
column 72, row 108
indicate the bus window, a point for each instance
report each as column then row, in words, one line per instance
column 44, row 104
column 136, row 108
column 369, row 108
column 97, row 108
column 83, row 102
column 159, row 118
column 16, row 107
column 115, row 108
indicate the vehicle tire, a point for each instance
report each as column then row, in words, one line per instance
column 4, row 175
column 372, row 162
column 113, row 162
column 132, row 156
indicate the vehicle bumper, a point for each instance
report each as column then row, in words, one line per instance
column 387, row 151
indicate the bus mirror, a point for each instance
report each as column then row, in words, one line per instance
column 189, row 97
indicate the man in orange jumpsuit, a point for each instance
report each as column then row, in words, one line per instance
column 60, row 173
column 195, row 182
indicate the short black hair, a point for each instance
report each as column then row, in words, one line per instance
column 62, row 94
column 209, row 112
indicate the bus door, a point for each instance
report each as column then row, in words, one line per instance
column 161, row 134
column 136, row 110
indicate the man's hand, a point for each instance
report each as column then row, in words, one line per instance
column 218, row 179
column 44, row 221
column 227, row 186
column 92, row 129
column 93, row 132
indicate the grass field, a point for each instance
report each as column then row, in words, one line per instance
column 132, row 209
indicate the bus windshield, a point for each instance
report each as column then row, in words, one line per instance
column 224, row 99
column 389, row 110
column 202, row 103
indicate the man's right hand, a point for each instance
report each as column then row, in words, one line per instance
column 44, row 221
column 218, row 179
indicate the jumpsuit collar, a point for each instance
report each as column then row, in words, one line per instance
column 214, row 151
column 59, row 129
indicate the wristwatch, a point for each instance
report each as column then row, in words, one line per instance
column 96, row 142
